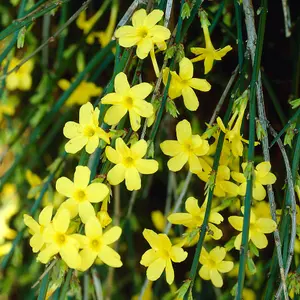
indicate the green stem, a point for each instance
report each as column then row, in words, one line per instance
column 237, row 9
column 65, row 288
column 44, row 287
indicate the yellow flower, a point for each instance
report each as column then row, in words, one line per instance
column 213, row 264
column 95, row 244
column 194, row 218
column 209, row 53
column 129, row 163
column 187, row 148
column 262, row 209
column 81, row 194
column 184, row 83
column 85, row 133
column 128, row 99
column 262, row 176
column 37, row 228
column 144, row 33
column 223, row 187
column 6, row 109
column 160, row 256
column 257, row 230
column 9, row 206
column 20, row 79
column 82, row 94
column 59, row 241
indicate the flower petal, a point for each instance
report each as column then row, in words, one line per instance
column 72, row 129
column 153, row 18
column 142, row 90
column 200, row 84
column 139, row 149
column 82, row 176
column 112, row 235
column 69, row 253
column 112, row 155
column 186, row 69
column 116, row 175
column 138, row 17
column 132, row 179
column 192, row 207
column 149, row 257
column 86, row 113
column 87, row 259
column 171, row 148
column 264, row 168
column 135, row 120
column 265, row 225
column 236, row 222
column 46, row 215
column 47, row 253
column 169, row 272
column 216, row 278
column 76, row 144
column 204, row 273
column 259, row 239
column 177, row 162
column 190, row 99
column 143, row 108
column 259, row 192
column 217, row 254
column 61, row 220
column 96, row 192
column 208, row 64
column 177, row 254
column 181, row 218
column 124, row 31
column 122, row 148
column 93, row 228
column 146, row 166
column 65, row 186
column 155, row 270
column 152, row 238
column 92, row 144
column 110, row 257
column 225, row 266
column 121, row 83
column 85, row 211
column 270, row 178
column 31, row 223
column 114, row 114
column 144, row 47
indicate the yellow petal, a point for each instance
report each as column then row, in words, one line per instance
column 146, row 166
column 265, row 225
column 217, row 254
column 177, row 162
column 139, row 149
column 208, row 64
column 152, row 238
column 138, row 17
column 181, row 218
column 121, row 83
column 169, row 272
column 112, row 155
column 65, row 186
column 125, row 30
column 177, row 254
column 143, row 48
column 61, row 221
column 85, row 211
column 122, row 148
column 36, row 242
column 190, row 99
column 47, row 253
column 132, row 179
column 46, row 215
column 114, row 114
column 216, row 278
column 143, row 108
column 116, row 175
column 204, row 273
column 96, row 192
column 183, row 131
column 93, row 228
column 155, row 270
column 71, row 130
column 159, row 35
column 64, row 84
column 31, row 223
column 70, row 256
column 259, row 192
column 238, row 177
column 270, row 178
column 135, row 120
column 149, row 257
column 92, row 144
column 112, row 235
column 194, row 164
column 236, row 222
column 72, row 206
column 86, row 113
column 259, row 239
column 191, row 206
column 229, row 187
column 153, row 18
column 186, row 69
column 263, row 168
column 142, row 90
column 238, row 241
column 225, row 266
column 82, row 177
column 87, row 259
column 200, row 84
column 171, row 148
column 112, row 98
column 76, row 144
column 110, row 257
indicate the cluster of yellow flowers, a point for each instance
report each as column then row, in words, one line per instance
column 60, row 234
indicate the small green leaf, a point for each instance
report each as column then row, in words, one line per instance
column 80, row 61
column 183, row 289
column 171, row 108
column 186, row 11
column 260, row 133
column 253, row 249
column 230, row 244
column 171, row 51
column 251, row 266
column 290, row 133
column 21, row 37
column 295, row 103
column 249, row 169
column 150, row 151
column 210, row 131
column 180, row 52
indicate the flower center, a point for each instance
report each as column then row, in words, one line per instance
column 79, row 195
column 187, row 148
column 88, row 131
column 142, row 32
column 164, row 253
column 128, row 162
column 60, row 238
column 128, row 102
column 95, row 245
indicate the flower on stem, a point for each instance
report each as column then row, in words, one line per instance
column 95, row 244
column 213, row 264
column 161, row 255
column 209, row 54
column 81, row 194
column 194, row 218
column 37, row 228
column 20, row 79
column 223, row 187
column 262, row 176
column 128, row 99
column 257, row 230
column 184, row 83
column 145, row 34
column 58, row 240
column 187, row 148
column 85, row 133
column 129, row 163
column 82, row 94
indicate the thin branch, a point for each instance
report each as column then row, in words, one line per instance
column 168, row 12
column 287, row 18
column 251, row 44
column 97, row 285
column 47, row 270
column 291, row 191
column 224, row 95
column 49, row 40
